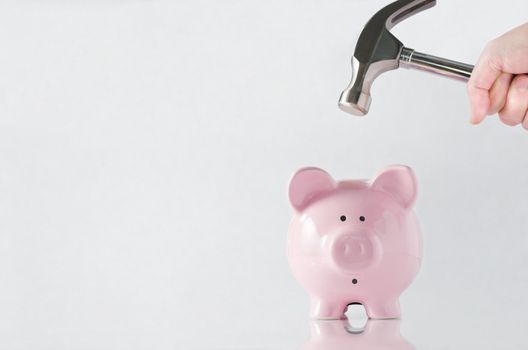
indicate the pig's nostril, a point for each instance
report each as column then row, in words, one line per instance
column 354, row 281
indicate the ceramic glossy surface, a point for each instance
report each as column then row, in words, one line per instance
column 338, row 335
column 354, row 241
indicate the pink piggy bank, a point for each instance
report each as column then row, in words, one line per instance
column 354, row 241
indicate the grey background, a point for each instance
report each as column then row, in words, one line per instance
column 145, row 150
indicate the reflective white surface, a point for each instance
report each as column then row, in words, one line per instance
column 356, row 334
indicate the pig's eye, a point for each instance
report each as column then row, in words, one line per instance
column 343, row 218
column 361, row 218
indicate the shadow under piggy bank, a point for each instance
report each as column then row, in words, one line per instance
column 340, row 335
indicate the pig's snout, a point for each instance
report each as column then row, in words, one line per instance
column 353, row 251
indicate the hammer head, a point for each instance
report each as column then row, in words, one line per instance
column 377, row 51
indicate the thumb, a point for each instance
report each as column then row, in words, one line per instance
column 479, row 85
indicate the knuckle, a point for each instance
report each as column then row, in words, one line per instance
column 492, row 47
column 520, row 82
column 492, row 55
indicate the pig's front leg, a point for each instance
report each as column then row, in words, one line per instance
column 383, row 308
column 327, row 310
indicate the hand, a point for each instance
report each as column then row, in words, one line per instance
column 499, row 82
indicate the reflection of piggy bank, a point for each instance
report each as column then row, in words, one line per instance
column 335, row 335
column 353, row 241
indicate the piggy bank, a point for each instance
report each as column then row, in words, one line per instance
column 337, row 335
column 354, row 241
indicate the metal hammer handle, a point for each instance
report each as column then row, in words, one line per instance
column 410, row 58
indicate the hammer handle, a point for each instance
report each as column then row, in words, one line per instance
column 410, row 58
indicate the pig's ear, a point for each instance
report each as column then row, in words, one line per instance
column 399, row 181
column 307, row 184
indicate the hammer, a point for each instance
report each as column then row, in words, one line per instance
column 378, row 51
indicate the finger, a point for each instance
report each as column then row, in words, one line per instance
column 516, row 105
column 482, row 79
column 499, row 92
column 525, row 121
